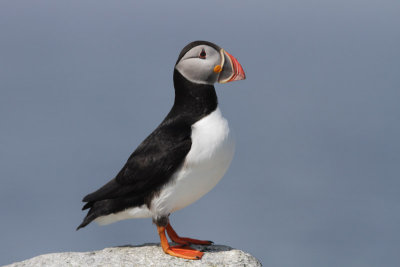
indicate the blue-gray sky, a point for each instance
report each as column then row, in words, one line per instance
column 316, row 176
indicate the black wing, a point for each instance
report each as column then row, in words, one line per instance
column 149, row 167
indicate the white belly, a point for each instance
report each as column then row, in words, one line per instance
column 207, row 161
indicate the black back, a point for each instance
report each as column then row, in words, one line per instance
column 156, row 159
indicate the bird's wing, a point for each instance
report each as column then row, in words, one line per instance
column 150, row 166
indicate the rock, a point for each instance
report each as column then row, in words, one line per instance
column 143, row 255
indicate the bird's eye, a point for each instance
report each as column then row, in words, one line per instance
column 203, row 54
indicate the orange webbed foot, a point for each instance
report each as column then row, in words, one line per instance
column 180, row 251
column 184, row 240
column 184, row 252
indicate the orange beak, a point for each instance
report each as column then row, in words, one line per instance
column 231, row 68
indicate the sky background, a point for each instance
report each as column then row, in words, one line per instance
column 316, row 176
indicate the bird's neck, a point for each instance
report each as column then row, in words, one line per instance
column 193, row 99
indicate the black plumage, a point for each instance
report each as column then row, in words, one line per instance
column 156, row 159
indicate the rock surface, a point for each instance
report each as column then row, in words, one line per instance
column 143, row 255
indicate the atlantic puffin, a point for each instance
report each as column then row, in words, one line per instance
column 182, row 159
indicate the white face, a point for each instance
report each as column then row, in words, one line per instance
column 198, row 64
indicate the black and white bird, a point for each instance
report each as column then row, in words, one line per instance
column 182, row 159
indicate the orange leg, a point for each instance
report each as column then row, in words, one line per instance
column 177, row 251
column 184, row 240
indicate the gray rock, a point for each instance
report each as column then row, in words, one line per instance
column 144, row 255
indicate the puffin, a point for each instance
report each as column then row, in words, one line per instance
column 182, row 159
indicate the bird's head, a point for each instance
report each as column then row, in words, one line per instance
column 203, row 62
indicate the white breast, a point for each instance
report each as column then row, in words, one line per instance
column 207, row 161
